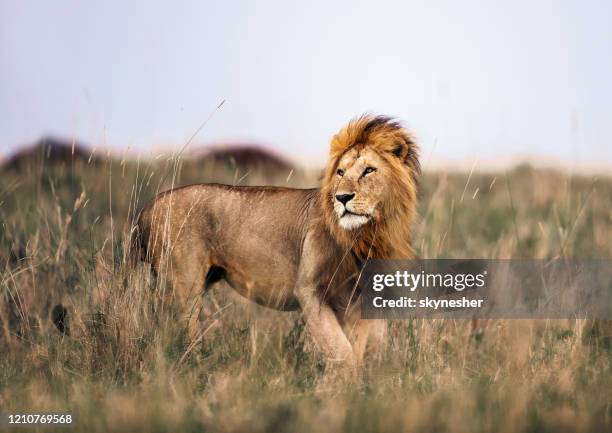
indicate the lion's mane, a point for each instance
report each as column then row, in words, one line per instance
column 388, row 236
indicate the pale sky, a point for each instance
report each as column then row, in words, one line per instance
column 472, row 79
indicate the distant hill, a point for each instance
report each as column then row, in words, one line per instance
column 244, row 164
column 242, row 157
column 50, row 151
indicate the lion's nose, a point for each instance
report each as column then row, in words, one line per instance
column 345, row 198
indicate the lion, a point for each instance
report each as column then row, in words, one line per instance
column 291, row 249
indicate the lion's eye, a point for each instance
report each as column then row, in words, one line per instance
column 368, row 170
column 340, row 172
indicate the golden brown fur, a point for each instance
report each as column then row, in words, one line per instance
column 291, row 248
column 390, row 235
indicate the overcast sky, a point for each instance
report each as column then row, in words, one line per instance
column 473, row 79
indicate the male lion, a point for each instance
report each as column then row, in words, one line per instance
column 294, row 248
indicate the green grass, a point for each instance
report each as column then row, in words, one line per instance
column 126, row 364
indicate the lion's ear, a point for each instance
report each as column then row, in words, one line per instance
column 401, row 148
column 397, row 150
column 407, row 152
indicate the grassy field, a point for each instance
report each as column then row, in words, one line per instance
column 126, row 364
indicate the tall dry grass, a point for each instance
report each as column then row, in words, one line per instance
column 127, row 364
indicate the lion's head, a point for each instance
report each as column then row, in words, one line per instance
column 369, row 192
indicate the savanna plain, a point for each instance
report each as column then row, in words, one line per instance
column 84, row 333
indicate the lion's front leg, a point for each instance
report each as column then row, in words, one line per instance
column 323, row 326
column 361, row 331
column 321, row 321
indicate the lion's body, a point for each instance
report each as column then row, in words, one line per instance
column 294, row 248
column 250, row 237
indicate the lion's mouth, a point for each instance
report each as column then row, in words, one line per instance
column 351, row 220
column 348, row 212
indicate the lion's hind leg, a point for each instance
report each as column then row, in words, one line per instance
column 187, row 275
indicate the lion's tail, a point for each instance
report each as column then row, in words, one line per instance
column 134, row 252
column 136, row 245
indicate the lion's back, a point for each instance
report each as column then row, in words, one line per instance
column 223, row 215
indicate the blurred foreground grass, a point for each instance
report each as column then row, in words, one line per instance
column 126, row 366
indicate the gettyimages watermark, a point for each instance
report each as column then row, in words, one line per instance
column 493, row 289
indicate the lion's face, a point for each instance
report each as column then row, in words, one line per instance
column 369, row 189
column 360, row 187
